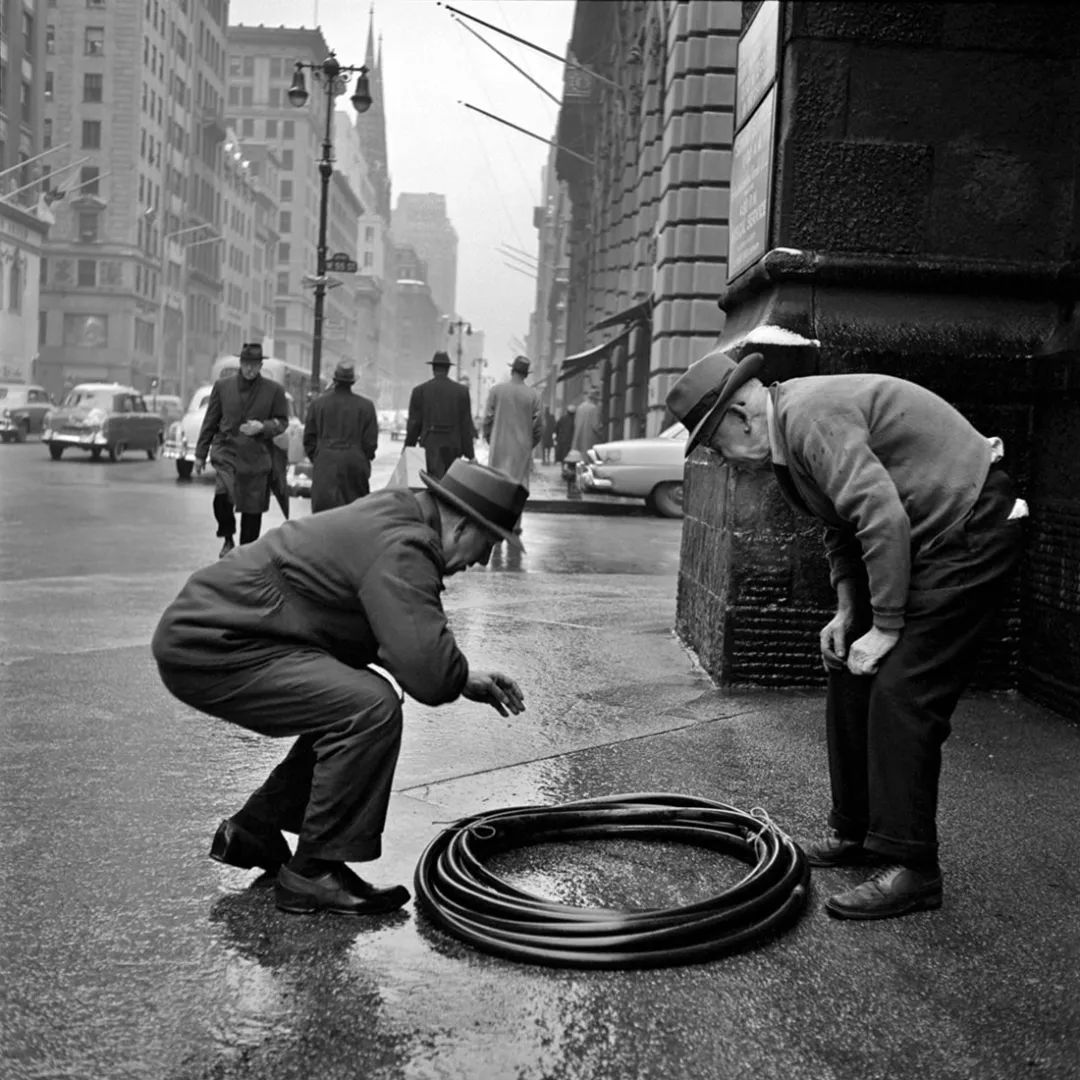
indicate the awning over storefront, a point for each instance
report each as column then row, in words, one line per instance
column 640, row 312
column 582, row 361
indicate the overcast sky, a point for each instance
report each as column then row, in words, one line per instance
column 489, row 173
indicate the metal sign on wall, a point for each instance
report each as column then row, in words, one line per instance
column 752, row 153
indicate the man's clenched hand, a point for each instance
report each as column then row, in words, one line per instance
column 498, row 691
column 868, row 651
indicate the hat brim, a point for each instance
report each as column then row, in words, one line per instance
column 749, row 367
column 469, row 512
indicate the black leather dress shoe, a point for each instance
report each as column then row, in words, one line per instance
column 892, row 891
column 237, row 846
column 226, row 547
column 836, row 850
column 339, row 891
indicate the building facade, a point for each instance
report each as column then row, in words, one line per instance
column 261, row 66
column 25, row 159
column 135, row 89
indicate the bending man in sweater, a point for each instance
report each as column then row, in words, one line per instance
column 278, row 639
column 921, row 528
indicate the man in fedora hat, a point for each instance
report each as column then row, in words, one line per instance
column 440, row 418
column 245, row 414
column 512, row 425
column 280, row 638
column 341, row 434
column 922, row 527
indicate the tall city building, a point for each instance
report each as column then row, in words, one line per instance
column 134, row 94
column 261, row 66
column 420, row 221
column 24, row 155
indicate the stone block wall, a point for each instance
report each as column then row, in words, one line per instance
column 690, row 226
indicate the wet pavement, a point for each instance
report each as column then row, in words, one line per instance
column 126, row 952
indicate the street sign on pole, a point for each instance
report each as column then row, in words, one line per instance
column 340, row 263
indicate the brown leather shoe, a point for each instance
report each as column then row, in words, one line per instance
column 226, row 547
column 339, row 891
column 237, row 846
column 836, row 850
column 892, row 891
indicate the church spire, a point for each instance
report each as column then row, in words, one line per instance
column 371, row 125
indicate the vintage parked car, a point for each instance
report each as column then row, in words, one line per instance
column 103, row 416
column 183, row 434
column 22, row 410
column 649, row 469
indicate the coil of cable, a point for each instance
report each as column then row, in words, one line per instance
column 460, row 894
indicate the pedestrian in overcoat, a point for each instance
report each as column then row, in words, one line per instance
column 922, row 529
column 440, row 418
column 564, row 433
column 245, row 414
column 341, row 435
column 587, row 429
column 512, row 423
column 280, row 638
column 547, row 436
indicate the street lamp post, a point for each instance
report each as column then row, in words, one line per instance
column 331, row 75
column 479, row 363
column 462, row 327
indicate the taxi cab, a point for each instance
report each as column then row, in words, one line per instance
column 102, row 417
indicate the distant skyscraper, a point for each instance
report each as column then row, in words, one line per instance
column 420, row 221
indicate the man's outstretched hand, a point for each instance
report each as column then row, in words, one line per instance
column 498, row 691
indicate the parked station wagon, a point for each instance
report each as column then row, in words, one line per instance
column 103, row 417
column 22, row 410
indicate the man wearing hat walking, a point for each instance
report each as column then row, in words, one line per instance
column 512, row 423
column 341, row 434
column 279, row 639
column 440, row 418
column 922, row 527
column 245, row 414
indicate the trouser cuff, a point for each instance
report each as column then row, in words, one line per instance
column 908, row 852
column 847, row 827
column 355, row 851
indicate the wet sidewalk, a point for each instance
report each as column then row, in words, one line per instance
column 126, row 953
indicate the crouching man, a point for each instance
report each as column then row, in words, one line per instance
column 922, row 527
column 278, row 639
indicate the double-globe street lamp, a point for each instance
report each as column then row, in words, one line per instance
column 331, row 75
column 462, row 328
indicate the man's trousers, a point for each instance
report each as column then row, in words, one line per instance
column 333, row 786
column 885, row 731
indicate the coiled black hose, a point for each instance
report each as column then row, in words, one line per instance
column 462, row 896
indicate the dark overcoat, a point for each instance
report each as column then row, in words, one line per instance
column 362, row 583
column 440, row 420
column 247, row 467
column 341, row 434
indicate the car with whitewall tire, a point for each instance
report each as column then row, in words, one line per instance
column 103, row 418
column 646, row 468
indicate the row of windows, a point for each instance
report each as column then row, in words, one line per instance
column 244, row 67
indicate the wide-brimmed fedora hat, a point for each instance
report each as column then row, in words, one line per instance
column 701, row 396
column 440, row 359
column 252, row 352
column 487, row 496
column 345, row 373
column 520, row 364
